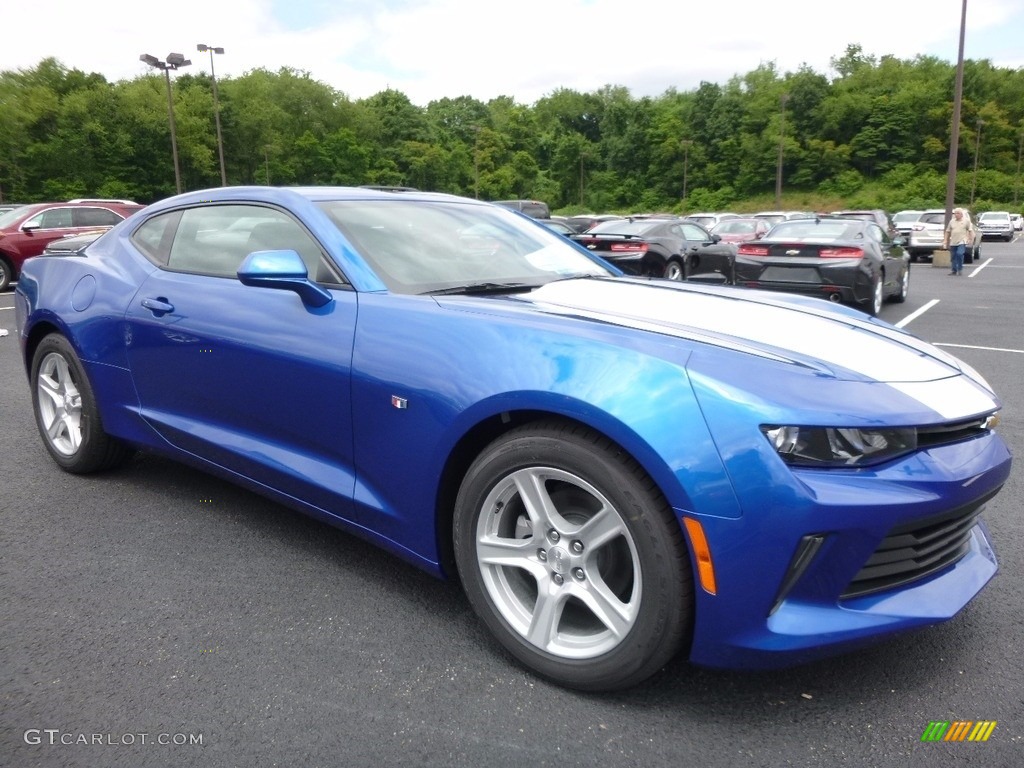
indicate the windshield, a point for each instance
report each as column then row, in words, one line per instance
column 10, row 217
column 423, row 247
column 622, row 227
column 824, row 230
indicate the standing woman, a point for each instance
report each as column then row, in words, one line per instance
column 959, row 233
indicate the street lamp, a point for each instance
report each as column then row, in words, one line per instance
column 1020, row 151
column 174, row 61
column 954, row 128
column 202, row 48
column 476, row 160
column 977, row 150
column 782, row 135
column 686, row 144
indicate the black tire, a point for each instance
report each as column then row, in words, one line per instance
column 901, row 295
column 874, row 305
column 6, row 274
column 675, row 269
column 66, row 412
column 538, row 594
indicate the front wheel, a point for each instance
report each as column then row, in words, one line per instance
column 875, row 302
column 66, row 411
column 901, row 295
column 572, row 558
column 6, row 274
column 675, row 269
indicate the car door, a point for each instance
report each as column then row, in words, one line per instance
column 248, row 378
column 892, row 256
column 36, row 232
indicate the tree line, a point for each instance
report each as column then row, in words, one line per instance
column 874, row 134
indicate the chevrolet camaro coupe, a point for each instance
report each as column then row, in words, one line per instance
column 617, row 469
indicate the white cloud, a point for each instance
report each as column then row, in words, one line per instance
column 430, row 49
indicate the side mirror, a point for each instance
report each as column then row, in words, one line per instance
column 282, row 270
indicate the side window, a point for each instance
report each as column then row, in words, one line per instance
column 215, row 239
column 877, row 234
column 52, row 218
column 94, row 217
column 691, row 232
column 154, row 237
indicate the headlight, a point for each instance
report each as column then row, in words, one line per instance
column 839, row 446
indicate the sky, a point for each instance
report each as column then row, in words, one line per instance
column 524, row 49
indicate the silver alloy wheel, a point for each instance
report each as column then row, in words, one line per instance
column 60, row 405
column 558, row 562
column 876, row 295
column 674, row 270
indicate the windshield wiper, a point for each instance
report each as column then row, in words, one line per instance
column 483, row 288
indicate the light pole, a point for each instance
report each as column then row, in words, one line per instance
column 476, row 160
column 174, row 61
column 954, row 129
column 216, row 110
column 686, row 144
column 782, row 135
column 977, row 149
column 1020, row 150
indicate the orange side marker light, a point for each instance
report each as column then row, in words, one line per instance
column 705, row 568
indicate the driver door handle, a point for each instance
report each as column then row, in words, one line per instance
column 158, row 306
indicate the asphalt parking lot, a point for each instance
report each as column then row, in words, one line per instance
column 155, row 616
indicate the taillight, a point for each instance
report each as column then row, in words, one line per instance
column 629, row 247
column 752, row 250
column 841, row 253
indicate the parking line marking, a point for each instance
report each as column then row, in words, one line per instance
column 978, row 268
column 972, row 346
column 917, row 314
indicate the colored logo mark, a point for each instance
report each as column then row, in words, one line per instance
column 958, row 730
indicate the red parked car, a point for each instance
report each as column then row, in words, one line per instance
column 741, row 230
column 25, row 231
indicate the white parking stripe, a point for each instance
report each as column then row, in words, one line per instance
column 917, row 314
column 972, row 346
column 978, row 268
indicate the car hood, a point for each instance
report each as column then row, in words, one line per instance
column 834, row 341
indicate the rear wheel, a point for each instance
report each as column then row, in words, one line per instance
column 572, row 558
column 66, row 411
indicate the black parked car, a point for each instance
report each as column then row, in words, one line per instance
column 72, row 244
column 672, row 248
column 849, row 260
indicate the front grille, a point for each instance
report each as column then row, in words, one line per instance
column 953, row 432
column 913, row 551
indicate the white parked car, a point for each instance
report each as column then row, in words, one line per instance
column 1018, row 221
column 994, row 224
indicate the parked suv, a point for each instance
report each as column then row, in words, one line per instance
column 928, row 233
column 904, row 222
column 534, row 208
column 880, row 217
column 25, row 231
column 996, row 224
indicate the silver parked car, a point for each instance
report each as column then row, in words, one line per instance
column 927, row 234
column 996, row 224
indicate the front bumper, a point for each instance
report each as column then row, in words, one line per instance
column 764, row 617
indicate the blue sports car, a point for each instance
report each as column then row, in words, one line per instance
column 618, row 469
